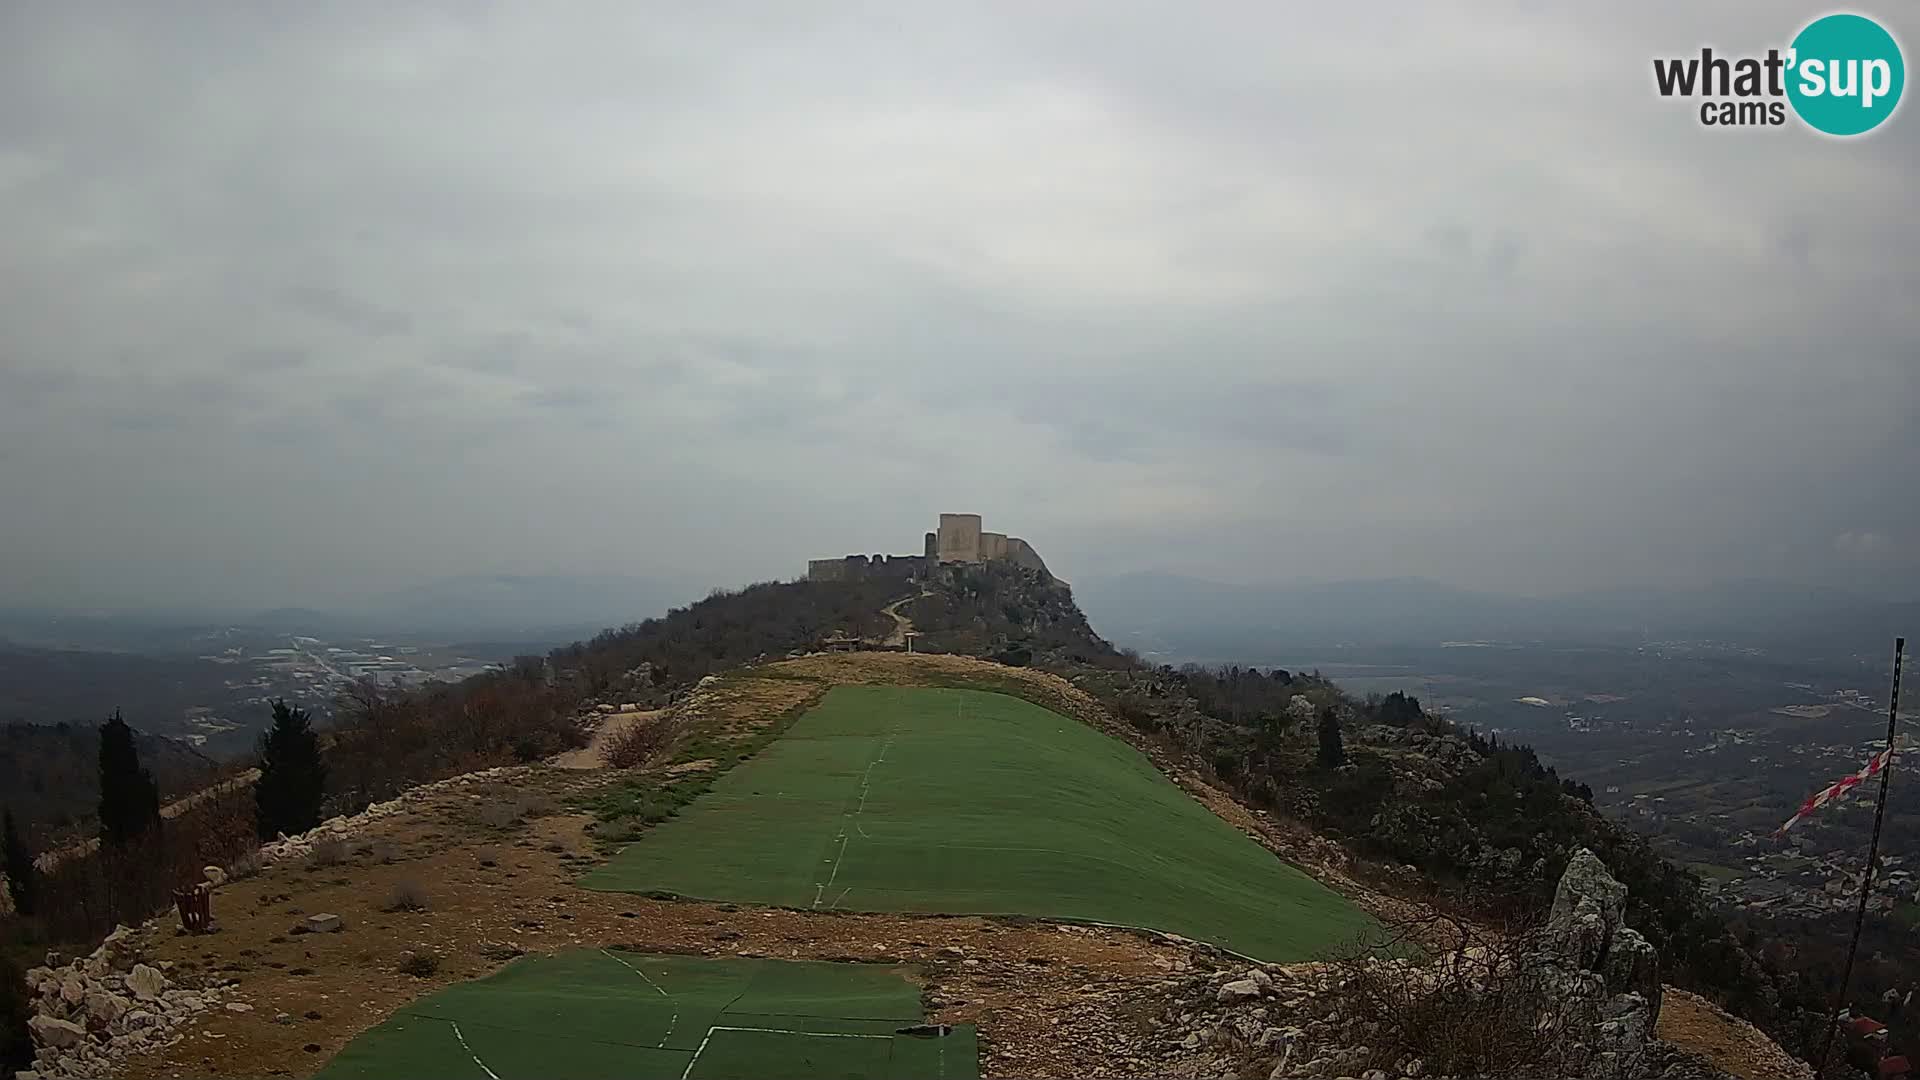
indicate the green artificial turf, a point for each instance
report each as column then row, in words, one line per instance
column 964, row 802
column 615, row 1015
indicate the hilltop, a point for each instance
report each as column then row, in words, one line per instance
column 1412, row 815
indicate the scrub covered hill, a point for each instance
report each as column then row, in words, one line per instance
column 965, row 802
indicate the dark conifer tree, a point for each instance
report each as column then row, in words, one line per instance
column 293, row 778
column 19, row 866
column 129, row 798
column 1333, row 750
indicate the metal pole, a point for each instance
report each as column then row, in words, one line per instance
column 1873, row 854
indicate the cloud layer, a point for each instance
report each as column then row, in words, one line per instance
column 306, row 303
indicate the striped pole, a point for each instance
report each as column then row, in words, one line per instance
column 1873, row 854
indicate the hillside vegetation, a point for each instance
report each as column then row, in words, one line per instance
column 1479, row 826
column 51, row 776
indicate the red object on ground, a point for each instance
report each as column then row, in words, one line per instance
column 1894, row 1068
column 1866, row 1027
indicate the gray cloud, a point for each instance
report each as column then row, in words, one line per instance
column 309, row 303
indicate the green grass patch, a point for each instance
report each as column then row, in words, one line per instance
column 964, row 802
column 601, row 1015
column 626, row 810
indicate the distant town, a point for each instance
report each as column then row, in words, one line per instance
column 314, row 671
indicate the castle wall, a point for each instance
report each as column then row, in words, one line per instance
column 862, row 568
column 1021, row 553
column 993, row 545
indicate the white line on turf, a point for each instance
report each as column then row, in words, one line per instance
column 476, row 1057
column 866, row 785
column 663, row 993
column 688, row 1071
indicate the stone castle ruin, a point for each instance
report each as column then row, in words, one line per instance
column 958, row 540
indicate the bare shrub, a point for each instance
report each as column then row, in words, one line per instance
column 406, row 895
column 639, row 743
column 327, row 851
column 419, row 963
column 498, row 815
column 1489, row 1005
column 245, row 866
column 84, row 895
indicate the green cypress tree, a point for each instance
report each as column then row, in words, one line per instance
column 19, row 865
column 293, row 778
column 129, row 798
column 1333, row 749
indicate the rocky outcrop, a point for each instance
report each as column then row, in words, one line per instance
column 1587, row 980
column 1601, row 970
column 90, row 1014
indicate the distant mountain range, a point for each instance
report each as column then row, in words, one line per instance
column 501, row 607
column 525, row 603
column 1195, row 618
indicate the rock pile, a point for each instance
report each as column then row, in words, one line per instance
column 342, row 828
column 91, row 1013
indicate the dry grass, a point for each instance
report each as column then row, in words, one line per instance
column 406, row 895
column 1487, row 1008
column 329, row 851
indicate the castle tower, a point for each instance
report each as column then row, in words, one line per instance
column 959, row 538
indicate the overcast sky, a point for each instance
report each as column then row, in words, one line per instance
column 306, row 300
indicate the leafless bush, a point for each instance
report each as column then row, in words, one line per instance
column 639, row 743
column 406, row 895
column 327, row 851
column 245, row 866
column 1487, row 1005
column 419, row 964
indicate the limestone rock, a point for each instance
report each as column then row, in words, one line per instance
column 146, row 982
column 1238, row 990
column 105, row 1007
column 1633, row 966
column 55, row 1033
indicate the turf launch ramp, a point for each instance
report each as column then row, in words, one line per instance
column 615, row 1015
column 967, row 802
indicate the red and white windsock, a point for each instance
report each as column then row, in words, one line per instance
column 1839, row 788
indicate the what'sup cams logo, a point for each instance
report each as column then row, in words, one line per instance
column 1842, row 75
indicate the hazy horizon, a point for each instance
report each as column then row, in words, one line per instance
column 309, row 304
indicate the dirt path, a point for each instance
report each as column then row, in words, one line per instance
column 1693, row 1023
column 902, row 626
column 594, row 754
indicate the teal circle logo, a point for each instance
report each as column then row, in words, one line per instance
column 1846, row 74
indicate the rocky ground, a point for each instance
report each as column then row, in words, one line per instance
column 472, row 872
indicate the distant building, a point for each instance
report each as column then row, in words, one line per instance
column 959, row 539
